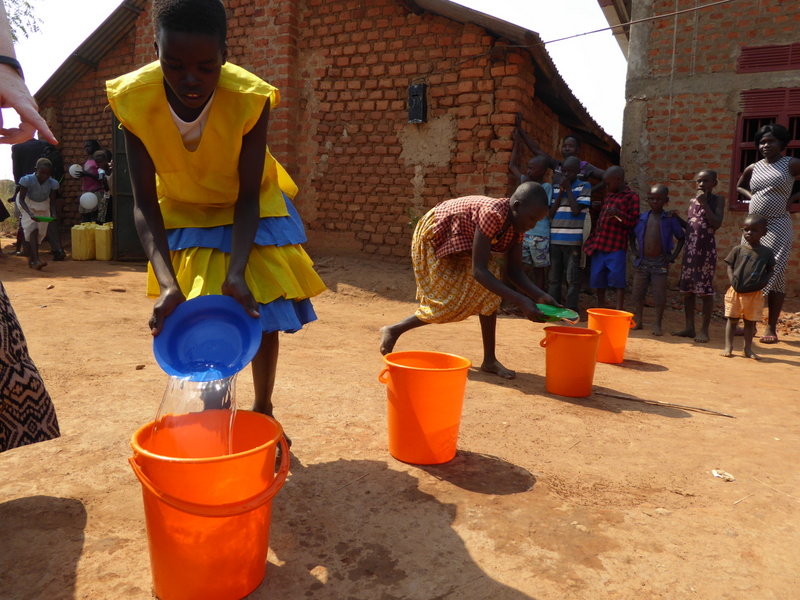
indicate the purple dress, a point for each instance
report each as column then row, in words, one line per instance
column 700, row 252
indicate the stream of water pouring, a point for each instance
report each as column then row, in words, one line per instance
column 183, row 397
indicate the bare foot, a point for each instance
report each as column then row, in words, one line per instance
column 702, row 337
column 751, row 354
column 684, row 333
column 657, row 330
column 388, row 340
column 727, row 353
column 498, row 369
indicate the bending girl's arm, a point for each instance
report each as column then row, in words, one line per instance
column 246, row 213
column 150, row 227
column 481, row 253
column 743, row 185
column 517, row 276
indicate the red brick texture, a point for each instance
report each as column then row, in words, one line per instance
column 343, row 69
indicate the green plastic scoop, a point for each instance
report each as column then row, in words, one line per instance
column 555, row 314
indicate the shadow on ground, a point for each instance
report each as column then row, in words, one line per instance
column 44, row 531
column 482, row 474
column 400, row 545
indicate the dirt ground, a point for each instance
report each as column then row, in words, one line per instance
column 548, row 497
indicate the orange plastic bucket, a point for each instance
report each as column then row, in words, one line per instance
column 425, row 393
column 208, row 518
column 570, row 359
column 615, row 325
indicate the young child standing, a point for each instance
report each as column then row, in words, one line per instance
column 210, row 224
column 608, row 243
column 571, row 199
column 704, row 217
column 101, row 160
column 456, row 275
column 653, row 244
column 750, row 267
column 536, row 245
column 90, row 181
column 37, row 190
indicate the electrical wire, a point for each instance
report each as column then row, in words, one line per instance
column 577, row 35
column 637, row 21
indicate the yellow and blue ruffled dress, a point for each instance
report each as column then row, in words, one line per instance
column 197, row 192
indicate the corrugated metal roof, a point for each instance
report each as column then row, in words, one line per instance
column 89, row 54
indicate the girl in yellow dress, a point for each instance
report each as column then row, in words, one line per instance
column 211, row 205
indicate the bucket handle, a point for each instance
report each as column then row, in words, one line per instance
column 543, row 342
column 383, row 375
column 632, row 323
column 220, row 510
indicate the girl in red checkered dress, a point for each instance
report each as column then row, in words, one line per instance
column 456, row 275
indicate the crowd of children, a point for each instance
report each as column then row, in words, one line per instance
column 606, row 232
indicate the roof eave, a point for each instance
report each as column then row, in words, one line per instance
column 550, row 86
column 90, row 53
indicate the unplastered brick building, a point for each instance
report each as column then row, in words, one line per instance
column 700, row 84
column 352, row 75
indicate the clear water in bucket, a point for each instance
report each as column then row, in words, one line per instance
column 195, row 419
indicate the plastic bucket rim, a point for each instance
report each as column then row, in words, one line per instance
column 435, row 369
column 578, row 331
column 608, row 312
column 138, row 450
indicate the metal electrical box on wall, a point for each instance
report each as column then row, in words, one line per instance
column 418, row 103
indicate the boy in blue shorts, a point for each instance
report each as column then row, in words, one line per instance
column 571, row 199
column 607, row 244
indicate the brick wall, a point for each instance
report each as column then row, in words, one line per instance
column 342, row 131
column 682, row 108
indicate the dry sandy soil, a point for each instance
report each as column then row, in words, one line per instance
column 548, row 497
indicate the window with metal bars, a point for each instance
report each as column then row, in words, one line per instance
column 759, row 108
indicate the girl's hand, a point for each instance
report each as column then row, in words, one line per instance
column 166, row 303
column 236, row 288
column 548, row 299
column 531, row 311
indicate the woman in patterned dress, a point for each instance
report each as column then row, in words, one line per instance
column 26, row 411
column 768, row 184
column 455, row 274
